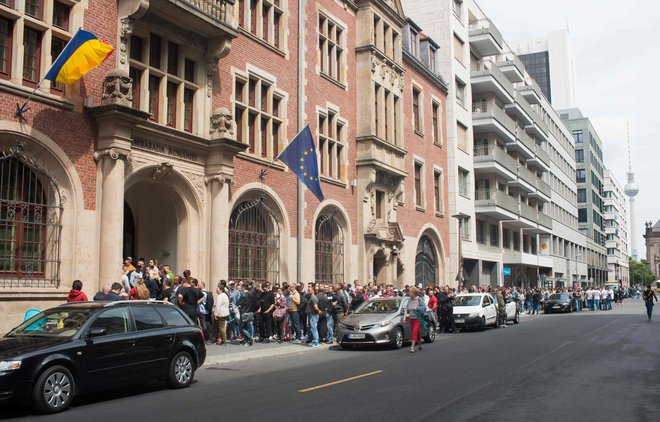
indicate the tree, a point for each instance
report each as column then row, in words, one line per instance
column 640, row 273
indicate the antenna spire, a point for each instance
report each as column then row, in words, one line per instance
column 629, row 149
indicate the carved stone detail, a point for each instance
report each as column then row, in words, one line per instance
column 222, row 124
column 115, row 154
column 162, row 171
column 220, row 178
column 125, row 32
column 211, row 70
column 117, row 88
column 198, row 183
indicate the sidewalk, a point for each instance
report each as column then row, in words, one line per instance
column 220, row 355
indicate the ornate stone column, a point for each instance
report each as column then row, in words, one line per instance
column 115, row 119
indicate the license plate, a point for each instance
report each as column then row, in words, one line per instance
column 459, row 321
column 556, row 307
column 356, row 336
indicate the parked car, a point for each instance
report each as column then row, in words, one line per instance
column 89, row 346
column 475, row 311
column 512, row 313
column 560, row 302
column 380, row 321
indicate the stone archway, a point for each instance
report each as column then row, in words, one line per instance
column 161, row 219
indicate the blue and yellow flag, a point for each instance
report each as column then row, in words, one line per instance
column 300, row 156
column 83, row 53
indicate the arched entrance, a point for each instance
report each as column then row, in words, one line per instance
column 159, row 213
column 425, row 262
column 254, row 242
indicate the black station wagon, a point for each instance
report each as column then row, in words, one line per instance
column 90, row 346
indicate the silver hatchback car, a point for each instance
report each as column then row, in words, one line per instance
column 380, row 321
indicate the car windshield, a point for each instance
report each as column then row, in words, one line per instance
column 559, row 296
column 53, row 322
column 467, row 301
column 387, row 306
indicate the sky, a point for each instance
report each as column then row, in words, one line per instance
column 618, row 63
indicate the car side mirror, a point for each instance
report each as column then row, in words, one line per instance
column 97, row 332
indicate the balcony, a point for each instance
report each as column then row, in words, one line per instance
column 532, row 92
column 485, row 38
column 538, row 130
column 526, row 180
column 545, row 220
column 528, row 213
column 523, row 144
column 541, row 159
column 381, row 155
column 496, row 204
column 489, row 159
column 521, row 109
column 543, row 191
column 512, row 67
column 488, row 117
column 489, row 79
column 210, row 18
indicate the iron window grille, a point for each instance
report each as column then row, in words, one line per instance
column 425, row 262
column 329, row 250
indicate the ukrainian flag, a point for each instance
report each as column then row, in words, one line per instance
column 83, row 53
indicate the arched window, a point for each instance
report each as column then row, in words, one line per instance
column 30, row 216
column 254, row 243
column 329, row 250
column 425, row 262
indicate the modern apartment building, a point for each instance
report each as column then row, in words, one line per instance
column 590, row 178
column 514, row 186
column 616, row 230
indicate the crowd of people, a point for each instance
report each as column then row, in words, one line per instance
column 247, row 311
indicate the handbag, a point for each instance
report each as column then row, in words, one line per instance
column 247, row 316
column 279, row 314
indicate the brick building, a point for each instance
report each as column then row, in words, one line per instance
column 158, row 152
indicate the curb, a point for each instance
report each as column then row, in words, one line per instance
column 220, row 359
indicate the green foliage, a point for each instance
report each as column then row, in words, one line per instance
column 640, row 272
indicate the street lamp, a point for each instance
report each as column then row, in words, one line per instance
column 460, row 217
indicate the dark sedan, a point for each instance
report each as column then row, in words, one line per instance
column 559, row 302
column 90, row 346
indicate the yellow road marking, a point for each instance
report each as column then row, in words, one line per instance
column 330, row 384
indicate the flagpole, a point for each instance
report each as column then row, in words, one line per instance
column 21, row 109
column 301, row 192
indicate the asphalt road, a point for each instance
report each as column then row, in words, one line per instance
column 589, row 366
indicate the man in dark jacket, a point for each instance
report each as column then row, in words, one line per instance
column 266, row 308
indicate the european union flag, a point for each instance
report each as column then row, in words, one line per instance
column 300, row 156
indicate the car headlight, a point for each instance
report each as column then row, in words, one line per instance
column 10, row 365
column 474, row 314
column 342, row 325
column 385, row 324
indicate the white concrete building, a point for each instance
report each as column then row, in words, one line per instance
column 512, row 176
column 616, row 230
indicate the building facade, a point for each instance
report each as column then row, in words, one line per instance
column 590, row 176
column 511, row 154
column 168, row 150
column 652, row 237
column 616, row 230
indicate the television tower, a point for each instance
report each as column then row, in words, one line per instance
column 631, row 189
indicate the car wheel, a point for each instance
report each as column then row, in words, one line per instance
column 54, row 390
column 482, row 325
column 182, row 370
column 516, row 320
column 397, row 338
column 430, row 337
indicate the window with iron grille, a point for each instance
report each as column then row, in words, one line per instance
column 254, row 243
column 30, row 216
column 329, row 250
column 425, row 262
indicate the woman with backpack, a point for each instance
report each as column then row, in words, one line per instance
column 414, row 310
column 279, row 315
